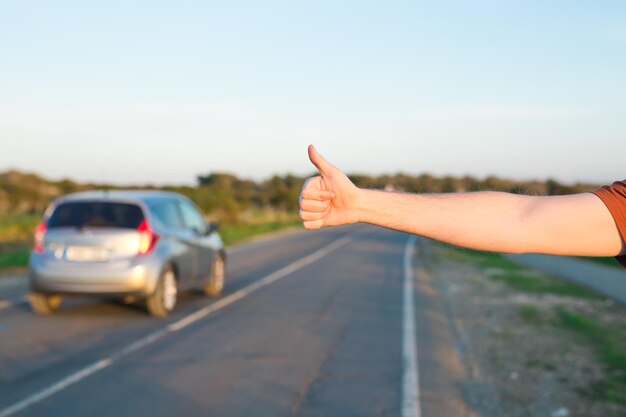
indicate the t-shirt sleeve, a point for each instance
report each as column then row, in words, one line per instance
column 614, row 197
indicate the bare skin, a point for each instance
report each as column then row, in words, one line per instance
column 574, row 225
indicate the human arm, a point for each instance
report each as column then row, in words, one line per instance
column 577, row 224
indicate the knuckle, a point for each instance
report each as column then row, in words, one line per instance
column 311, row 205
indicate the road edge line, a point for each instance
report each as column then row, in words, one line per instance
column 411, row 406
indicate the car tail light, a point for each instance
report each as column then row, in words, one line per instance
column 147, row 238
column 40, row 237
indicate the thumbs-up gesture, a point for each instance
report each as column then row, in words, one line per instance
column 329, row 199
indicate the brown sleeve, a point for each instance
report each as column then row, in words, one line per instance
column 614, row 197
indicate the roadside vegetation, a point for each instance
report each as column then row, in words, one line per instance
column 608, row 342
column 508, row 272
column 612, row 262
column 243, row 207
column 232, row 234
column 16, row 233
column 14, row 258
column 555, row 312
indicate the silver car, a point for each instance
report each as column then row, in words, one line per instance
column 136, row 245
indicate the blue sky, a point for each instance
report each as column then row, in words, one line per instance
column 155, row 91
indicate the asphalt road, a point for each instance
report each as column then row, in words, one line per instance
column 311, row 324
column 341, row 322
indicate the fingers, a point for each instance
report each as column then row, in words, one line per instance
column 313, row 224
column 320, row 195
column 316, row 206
column 320, row 163
column 314, row 189
column 311, row 215
column 314, row 209
column 315, row 199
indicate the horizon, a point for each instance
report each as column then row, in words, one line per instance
column 261, row 179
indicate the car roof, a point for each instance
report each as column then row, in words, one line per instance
column 145, row 196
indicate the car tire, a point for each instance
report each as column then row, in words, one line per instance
column 217, row 280
column 162, row 302
column 45, row 304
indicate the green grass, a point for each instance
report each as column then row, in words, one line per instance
column 544, row 285
column 612, row 262
column 15, row 258
column 482, row 259
column 17, row 227
column 535, row 363
column 237, row 233
column 515, row 277
column 609, row 343
column 531, row 314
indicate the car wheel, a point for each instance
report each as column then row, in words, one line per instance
column 163, row 300
column 45, row 304
column 214, row 287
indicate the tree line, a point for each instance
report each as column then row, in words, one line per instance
column 226, row 196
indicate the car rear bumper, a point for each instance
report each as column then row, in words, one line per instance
column 122, row 278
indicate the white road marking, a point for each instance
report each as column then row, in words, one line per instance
column 59, row 386
column 12, row 302
column 174, row 327
column 410, row 381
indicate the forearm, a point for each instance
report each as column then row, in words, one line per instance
column 498, row 222
column 578, row 224
column 482, row 221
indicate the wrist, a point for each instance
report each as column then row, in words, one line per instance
column 363, row 204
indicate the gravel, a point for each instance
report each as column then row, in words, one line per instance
column 519, row 366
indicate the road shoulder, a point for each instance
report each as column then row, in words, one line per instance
column 531, row 343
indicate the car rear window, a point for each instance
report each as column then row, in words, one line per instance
column 96, row 214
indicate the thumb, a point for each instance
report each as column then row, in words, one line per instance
column 320, row 163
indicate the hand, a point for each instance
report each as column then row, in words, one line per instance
column 329, row 199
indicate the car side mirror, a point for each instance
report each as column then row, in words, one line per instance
column 212, row 227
